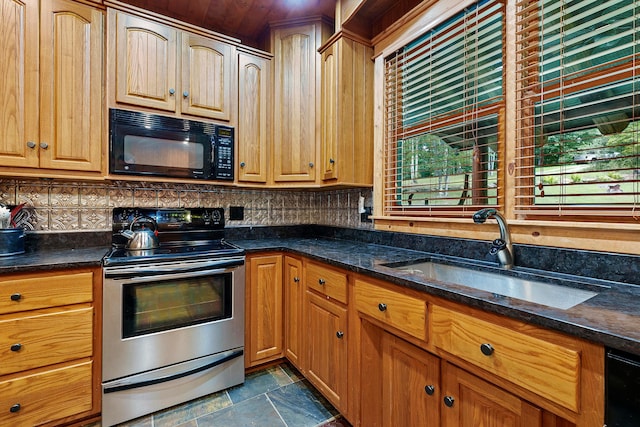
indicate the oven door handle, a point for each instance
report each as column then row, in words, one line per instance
column 146, row 383
column 143, row 272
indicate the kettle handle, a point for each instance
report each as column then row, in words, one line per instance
column 151, row 220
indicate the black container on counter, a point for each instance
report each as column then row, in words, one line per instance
column 11, row 241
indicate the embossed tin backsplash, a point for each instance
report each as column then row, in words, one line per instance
column 74, row 206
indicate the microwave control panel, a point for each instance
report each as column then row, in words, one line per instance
column 222, row 153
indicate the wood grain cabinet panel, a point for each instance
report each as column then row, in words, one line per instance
column 294, row 331
column 44, row 339
column 546, row 368
column 472, row 402
column 22, row 293
column 327, row 281
column 254, row 95
column 327, row 339
column 347, row 111
column 208, row 77
column 400, row 311
column 52, row 91
column 264, row 309
column 50, row 347
column 46, row 396
column 145, row 62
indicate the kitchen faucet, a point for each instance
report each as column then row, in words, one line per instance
column 501, row 247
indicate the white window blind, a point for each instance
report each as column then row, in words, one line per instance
column 444, row 117
column 578, row 109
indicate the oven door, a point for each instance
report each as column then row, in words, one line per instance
column 156, row 315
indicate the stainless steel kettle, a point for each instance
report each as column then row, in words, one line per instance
column 143, row 238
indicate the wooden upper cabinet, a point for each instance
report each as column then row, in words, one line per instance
column 54, row 56
column 145, row 62
column 296, row 132
column 254, row 83
column 164, row 68
column 347, row 112
column 19, row 84
column 207, row 77
column 71, row 40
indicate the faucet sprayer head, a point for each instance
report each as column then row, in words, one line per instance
column 481, row 216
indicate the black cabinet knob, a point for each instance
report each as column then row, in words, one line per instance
column 296, row 279
column 15, row 408
column 321, row 281
column 486, row 349
column 16, row 297
column 429, row 389
column 339, row 334
column 382, row 307
column 242, row 164
column 448, row 400
column 16, row 347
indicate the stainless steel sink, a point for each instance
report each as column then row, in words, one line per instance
column 557, row 296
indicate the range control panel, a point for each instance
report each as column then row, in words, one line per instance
column 170, row 219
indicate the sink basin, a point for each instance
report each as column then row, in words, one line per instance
column 551, row 295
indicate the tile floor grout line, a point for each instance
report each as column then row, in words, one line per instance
column 276, row 409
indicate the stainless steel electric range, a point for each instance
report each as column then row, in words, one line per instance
column 173, row 311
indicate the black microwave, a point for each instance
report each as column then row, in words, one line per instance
column 153, row 145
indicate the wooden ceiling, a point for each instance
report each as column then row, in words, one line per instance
column 244, row 19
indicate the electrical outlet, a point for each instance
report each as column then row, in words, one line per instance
column 364, row 217
column 236, row 213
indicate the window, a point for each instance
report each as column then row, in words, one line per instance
column 578, row 109
column 444, row 112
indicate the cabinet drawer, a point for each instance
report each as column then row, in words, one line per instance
column 46, row 396
column 543, row 367
column 31, row 293
column 327, row 281
column 398, row 310
column 45, row 339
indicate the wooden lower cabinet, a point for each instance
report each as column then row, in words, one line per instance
column 50, row 347
column 410, row 384
column 263, row 303
column 471, row 402
column 326, row 335
column 293, row 313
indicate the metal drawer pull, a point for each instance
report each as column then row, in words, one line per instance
column 486, row 349
column 321, row 281
column 16, row 297
column 15, row 408
column 339, row 334
column 429, row 389
column 382, row 307
column 16, row 347
column 448, row 400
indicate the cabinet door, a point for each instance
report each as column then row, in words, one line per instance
column 264, row 308
column 208, row 77
column 294, row 121
column 71, row 41
column 411, row 384
column 254, row 81
column 470, row 402
column 293, row 301
column 327, row 348
column 330, row 119
column 19, row 84
column 145, row 61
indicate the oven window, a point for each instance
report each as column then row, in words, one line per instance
column 144, row 150
column 171, row 304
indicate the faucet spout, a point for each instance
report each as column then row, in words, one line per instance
column 502, row 247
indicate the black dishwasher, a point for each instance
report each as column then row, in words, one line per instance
column 622, row 389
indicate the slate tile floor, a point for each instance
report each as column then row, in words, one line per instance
column 277, row 396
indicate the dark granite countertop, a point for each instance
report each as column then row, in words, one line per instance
column 611, row 318
column 47, row 259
